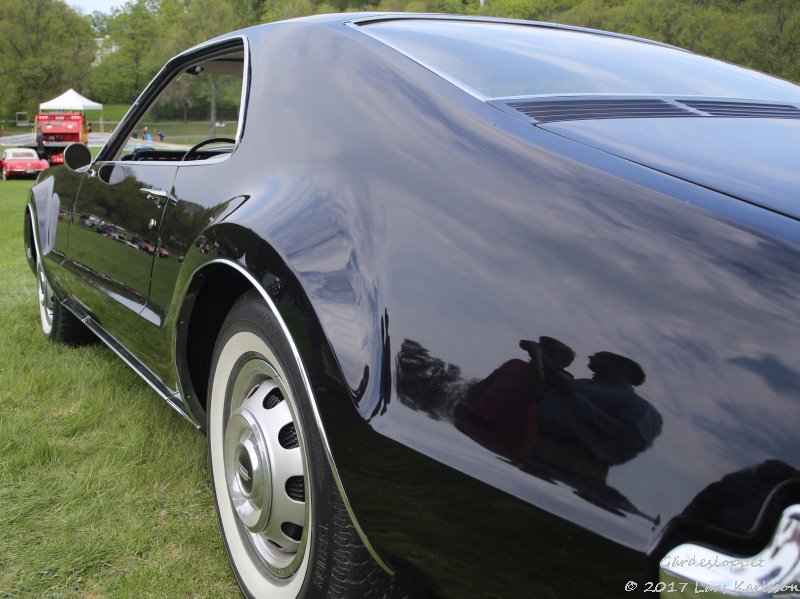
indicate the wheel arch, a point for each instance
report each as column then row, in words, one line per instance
column 211, row 291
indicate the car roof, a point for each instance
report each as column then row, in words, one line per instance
column 364, row 18
column 29, row 151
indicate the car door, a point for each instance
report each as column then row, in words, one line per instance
column 124, row 195
column 114, row 237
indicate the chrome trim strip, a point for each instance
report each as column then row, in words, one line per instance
column 362, row 25
column 35, row 228
column 773, row 572
column 449, row 78
column 171, row 397
column 296, row 354
column 185, row 53
column 408, row 16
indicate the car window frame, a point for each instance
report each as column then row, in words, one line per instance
column 165, row 76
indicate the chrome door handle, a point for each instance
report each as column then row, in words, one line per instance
column 159, row 196
column 774, row 572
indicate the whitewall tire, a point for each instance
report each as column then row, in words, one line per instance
column 285, row 528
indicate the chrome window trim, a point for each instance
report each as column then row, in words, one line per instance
column 449, row 78
column 359, row 24
column 138, row 102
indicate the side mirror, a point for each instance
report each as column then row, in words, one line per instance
column 77, row 157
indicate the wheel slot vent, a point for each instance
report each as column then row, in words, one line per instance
column 291, row 530
column 744, row 109
column 272, row 399
column 287, row 437
column 549, row 111
column 296, row 489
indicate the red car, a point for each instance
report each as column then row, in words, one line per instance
column 21, row 162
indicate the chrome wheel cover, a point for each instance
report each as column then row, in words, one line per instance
column 44, row 294
column 260, row 468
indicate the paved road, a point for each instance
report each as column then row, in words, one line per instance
column 96, row 140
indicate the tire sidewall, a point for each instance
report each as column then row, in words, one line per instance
column 251, row 315
column 41, row 292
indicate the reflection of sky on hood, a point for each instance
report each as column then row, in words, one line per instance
column 507, row 60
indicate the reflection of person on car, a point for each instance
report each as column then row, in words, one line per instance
column 604, row 418
column 499, row 410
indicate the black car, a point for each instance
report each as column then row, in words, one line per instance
column 474, row 307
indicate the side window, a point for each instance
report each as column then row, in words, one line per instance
column 200, row 104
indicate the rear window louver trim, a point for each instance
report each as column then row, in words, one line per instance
column 744, row 109
column 548, row 111
column 555, row 110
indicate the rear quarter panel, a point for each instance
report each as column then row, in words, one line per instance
column 402, row 204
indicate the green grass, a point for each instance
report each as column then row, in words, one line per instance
column 111, row 112
column 103, row 488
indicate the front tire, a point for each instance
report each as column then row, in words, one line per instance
column 285, row 528
column 58, row 323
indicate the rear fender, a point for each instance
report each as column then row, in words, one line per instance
column 234, row 247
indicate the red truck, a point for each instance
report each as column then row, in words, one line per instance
column 54, row 131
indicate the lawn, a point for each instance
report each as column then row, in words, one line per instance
column 103, row 488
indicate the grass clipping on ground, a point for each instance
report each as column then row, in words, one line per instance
column 103, row 488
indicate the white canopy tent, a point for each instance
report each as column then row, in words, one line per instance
column 72, row 100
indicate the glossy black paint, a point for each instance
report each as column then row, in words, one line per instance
column 412, row 235
column 752, row 159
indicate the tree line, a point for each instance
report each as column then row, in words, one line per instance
column 47, row 47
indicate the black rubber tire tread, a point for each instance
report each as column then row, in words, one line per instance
column 67, row 329
column 353, row 573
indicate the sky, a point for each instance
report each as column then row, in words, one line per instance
column 89, row 6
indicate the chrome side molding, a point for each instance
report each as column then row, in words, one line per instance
column 691, row 569
column 172, row 397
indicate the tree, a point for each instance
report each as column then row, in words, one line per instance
column 191, row 22
column 123, row 72
column 777, row 33
column 46, row 48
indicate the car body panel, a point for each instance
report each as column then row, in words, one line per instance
column 412, row 234
column 115, row 230
column 753, row 159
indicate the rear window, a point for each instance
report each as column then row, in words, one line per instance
column 502, row 60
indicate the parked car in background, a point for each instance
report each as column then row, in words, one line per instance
column 21, row 162
column 505, row 309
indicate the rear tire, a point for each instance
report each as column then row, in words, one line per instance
column 285, row 528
